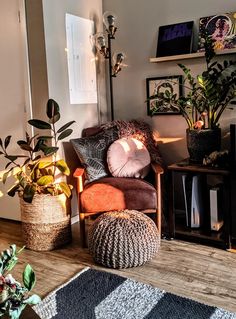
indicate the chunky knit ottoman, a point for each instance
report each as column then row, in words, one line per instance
column 123, row 239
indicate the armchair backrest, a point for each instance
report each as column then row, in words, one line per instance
column 117, row 129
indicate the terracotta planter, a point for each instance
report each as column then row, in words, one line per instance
column 46, row 222
column 202, row 142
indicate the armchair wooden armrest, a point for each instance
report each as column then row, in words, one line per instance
column 157, row 168
column 79, row 174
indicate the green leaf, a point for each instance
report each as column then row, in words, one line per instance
column 55, row 118
column 5, row 176
column 29, row 279
column 62, row 166
column 44, row 164
column 64, row 127
column 45, row 180
column 49, row 150
column 32, row 300
column 26, row 147
column 12, row 158
column 52, row 108
column 39, row 146
column 8, row 164
column 44, row 138
column 65, row 189
column 40, row 124
column 28, row 193
column 12, row 191
column 7, row 141
column 65, row 134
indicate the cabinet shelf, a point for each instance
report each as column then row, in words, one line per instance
column 189, row 56
column 198, row 235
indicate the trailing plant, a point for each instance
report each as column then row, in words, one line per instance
column 207, row 95
column 36, row 170
column 13, row 295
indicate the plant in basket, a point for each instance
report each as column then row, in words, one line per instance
column 207, row 96
column 38, row 181
column 14, row 296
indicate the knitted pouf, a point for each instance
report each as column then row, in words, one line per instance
column 123, row 239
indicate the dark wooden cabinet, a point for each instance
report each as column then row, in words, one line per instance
column 203, row 234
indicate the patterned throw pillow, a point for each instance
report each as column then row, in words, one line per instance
column 92, row 152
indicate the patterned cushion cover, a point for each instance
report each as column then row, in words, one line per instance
column 92, row 152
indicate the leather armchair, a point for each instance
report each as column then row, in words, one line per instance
column 117, row 193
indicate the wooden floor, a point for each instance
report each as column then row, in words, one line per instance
column 199, row 272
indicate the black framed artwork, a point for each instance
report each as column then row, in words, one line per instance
column 156, row 85
column 175, row 39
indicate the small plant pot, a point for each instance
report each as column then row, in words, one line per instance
column 201, row 143
column 27, row 313
column 46, row 222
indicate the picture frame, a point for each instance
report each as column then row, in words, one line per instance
column 175, row 39
column 221, row 28
column 155, row 84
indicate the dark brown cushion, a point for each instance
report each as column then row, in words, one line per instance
column 117, row 193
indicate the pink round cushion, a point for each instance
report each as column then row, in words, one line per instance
column 128, row 157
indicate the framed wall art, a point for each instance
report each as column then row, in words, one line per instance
column 175, row 39
column 222, row 29
column 172, row 84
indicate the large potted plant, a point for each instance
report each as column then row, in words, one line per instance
column 43, row 193
column 207, row 96
column 15, row 297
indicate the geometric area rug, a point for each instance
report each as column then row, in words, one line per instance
column 94, row 294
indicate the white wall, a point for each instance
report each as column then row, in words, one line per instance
column 57, row 71
column 55, row 39
column 137, row 36
column 12, row 93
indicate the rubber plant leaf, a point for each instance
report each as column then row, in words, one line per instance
column 40, row 124
column 52, row 108
column 64, row 127
column 65, row 134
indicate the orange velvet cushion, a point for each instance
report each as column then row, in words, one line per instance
column 128, row 157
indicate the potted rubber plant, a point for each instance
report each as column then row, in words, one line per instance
column 207, row 96
column 39, row 181
column 14, row 296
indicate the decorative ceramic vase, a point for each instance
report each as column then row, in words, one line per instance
column 46, row 222
column 201, row 143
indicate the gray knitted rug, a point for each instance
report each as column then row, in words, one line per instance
column 94, row 294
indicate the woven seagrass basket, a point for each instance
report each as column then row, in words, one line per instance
column 46, row 222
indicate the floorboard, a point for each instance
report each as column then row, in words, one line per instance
column 202, row 273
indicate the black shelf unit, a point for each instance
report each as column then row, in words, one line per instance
column 177, row 223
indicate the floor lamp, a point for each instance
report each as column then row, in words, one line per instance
column 103, row 44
